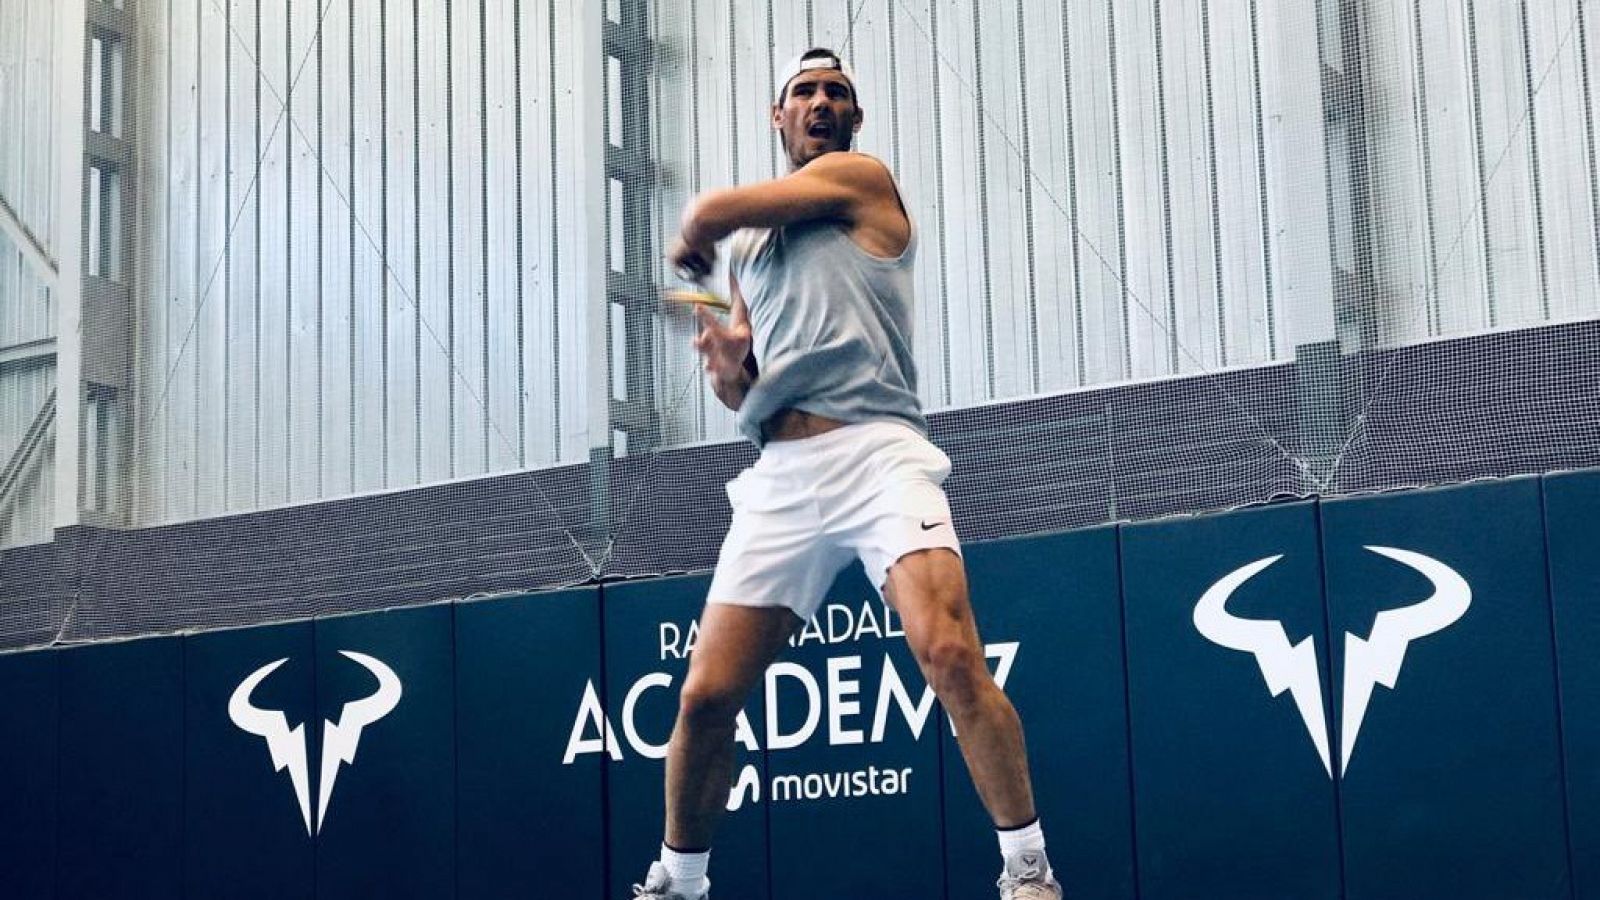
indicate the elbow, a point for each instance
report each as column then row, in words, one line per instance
column 706, row 219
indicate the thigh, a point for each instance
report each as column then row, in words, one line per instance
column 928, row 590
column 736, row 644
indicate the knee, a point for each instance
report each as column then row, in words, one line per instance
column 706, row 704
column 957, row 672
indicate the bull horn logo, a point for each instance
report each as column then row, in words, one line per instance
column 1285, row 666
column 287, row 746
column 1377, row 659
column 1373, row 661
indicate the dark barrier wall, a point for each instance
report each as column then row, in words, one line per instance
column 529, row 810
column 120, row 820
column 1572, row 509
column 248, row 837
column 1452, row 787
column 1050, row 611
column 1387, row 697
column 29, row 775
column 1233, row 798
column 648, row 628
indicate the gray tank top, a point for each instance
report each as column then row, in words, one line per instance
column 831, row 326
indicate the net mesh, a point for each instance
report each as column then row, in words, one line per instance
column 354, row 303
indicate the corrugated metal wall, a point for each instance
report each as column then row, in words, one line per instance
column 27, row 121
column 354, row 264
column 28, row 516
column 1484, row 141
column 28, row 168
column 1123, row 190
column 380, row 289
column 1105, row 191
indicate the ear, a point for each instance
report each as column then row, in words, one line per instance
column 777, row 117
column 859, row 116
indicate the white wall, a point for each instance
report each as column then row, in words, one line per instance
column 1103, row 193
column 396, row 283
column 29, row 164
column 1490, row 205
column 363, row 259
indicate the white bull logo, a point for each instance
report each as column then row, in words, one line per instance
column 339, row 739
column 1375, row 660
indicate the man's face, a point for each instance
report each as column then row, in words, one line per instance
column 818, row 115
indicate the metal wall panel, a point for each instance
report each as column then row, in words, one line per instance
column 26, row 517
column 270, row 438
column 1101, row 190
column 391, row 286
column 576, row 206
column 305, row 300
column 27, row 116
column 28, row 44
column 361, row 279
column 1483, row 151
column 26, row 311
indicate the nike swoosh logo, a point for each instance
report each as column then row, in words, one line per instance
column 927, row 527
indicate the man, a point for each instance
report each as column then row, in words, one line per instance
column 816, row 360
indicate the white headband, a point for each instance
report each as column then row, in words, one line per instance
column 829, row 63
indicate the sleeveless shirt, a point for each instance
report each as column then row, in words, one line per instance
column 830, row 326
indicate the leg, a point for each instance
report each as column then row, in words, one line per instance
column 736, row 645
column 928, row 588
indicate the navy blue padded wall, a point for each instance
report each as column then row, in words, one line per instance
column 246, row 832
column 29, row 719
column 859, row 789
column 1453, row 787
column 1233, row 796
column 1051, row 609
column 647, row 631
column 529, row 815
column 121, row 778
column 389, row 828
column 1572, row 508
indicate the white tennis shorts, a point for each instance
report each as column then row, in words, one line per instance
column 870, row 490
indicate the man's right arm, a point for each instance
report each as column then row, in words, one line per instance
column 729, row 355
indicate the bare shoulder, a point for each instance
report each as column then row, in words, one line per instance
column 879, row 223
column 860, row 171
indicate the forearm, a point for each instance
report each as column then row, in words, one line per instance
column 732, row 390
column 709, row 218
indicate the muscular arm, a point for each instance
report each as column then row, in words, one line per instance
column 852, row 188
column 729, row 355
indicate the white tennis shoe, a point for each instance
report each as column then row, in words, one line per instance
column 658, row 886
column 1027, row 877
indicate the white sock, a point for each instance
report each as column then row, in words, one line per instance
column 1017, row 840
column 688, row 870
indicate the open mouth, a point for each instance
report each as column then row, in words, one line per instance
column 820, row 130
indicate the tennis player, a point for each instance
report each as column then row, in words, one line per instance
column 816, row 359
